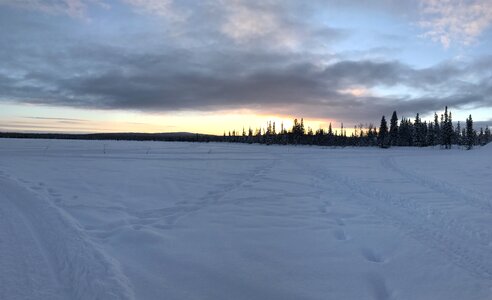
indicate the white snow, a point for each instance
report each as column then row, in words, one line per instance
column 155, row 220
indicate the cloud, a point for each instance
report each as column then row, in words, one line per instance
column 267, row 56
column 455, row 21
column 273, row 24
column 73, row 8
column 72, row 120
column 244, row 23
column 163, row 8
column 279, row 83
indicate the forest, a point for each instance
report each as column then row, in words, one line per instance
column 405, row 132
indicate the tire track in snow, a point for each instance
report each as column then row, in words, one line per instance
column 82, row 269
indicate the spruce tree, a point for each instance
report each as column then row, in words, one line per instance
column 437, row 130
column 488, row 137
column 418, row 131
column 481, row 137
column 430, row 134
column 393, row 133
column 424, row 132
column 442, row 133
column 470, row 134
column 457, row 134
column 383, row 134
column 447, row 130
column 450, row 130
column 404, row 134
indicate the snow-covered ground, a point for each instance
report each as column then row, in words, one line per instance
column 154, row 220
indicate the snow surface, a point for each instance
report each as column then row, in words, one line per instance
column 154, row 220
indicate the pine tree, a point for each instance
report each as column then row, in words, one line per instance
column 457, row 134
column 481, row 137
column 488, row 137
column 470, row 134
column 450, row 130
column 418, row 131
column 442, row 132
column 447, row 130
column 383, row 134
column 404, row 133
column 393, row 133
column 430, row 134
column 424, row 132
column 370, row 135
column 437, row 130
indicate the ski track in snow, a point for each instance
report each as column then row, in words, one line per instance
column 173, row 214
column 468, row 197
column 48, row 256
column 431, row 226
column 168, row 217
column 53, row 256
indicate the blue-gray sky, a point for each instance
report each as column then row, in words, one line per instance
column 81, row 64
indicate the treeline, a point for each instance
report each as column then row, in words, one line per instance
column 166, row 137
column 405, row 132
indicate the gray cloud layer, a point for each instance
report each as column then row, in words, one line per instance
column 207, row 63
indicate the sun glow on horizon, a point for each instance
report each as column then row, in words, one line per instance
column 35, row 118
column 47, row 119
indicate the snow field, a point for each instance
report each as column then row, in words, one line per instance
column 151, row 220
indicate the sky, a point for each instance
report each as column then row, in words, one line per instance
column 213, row 65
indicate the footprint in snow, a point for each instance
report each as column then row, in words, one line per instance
column 379, row 287
column 325, row 206
column 371, row 256
column 340, row 235
column 54, row 193
column 340, row 222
